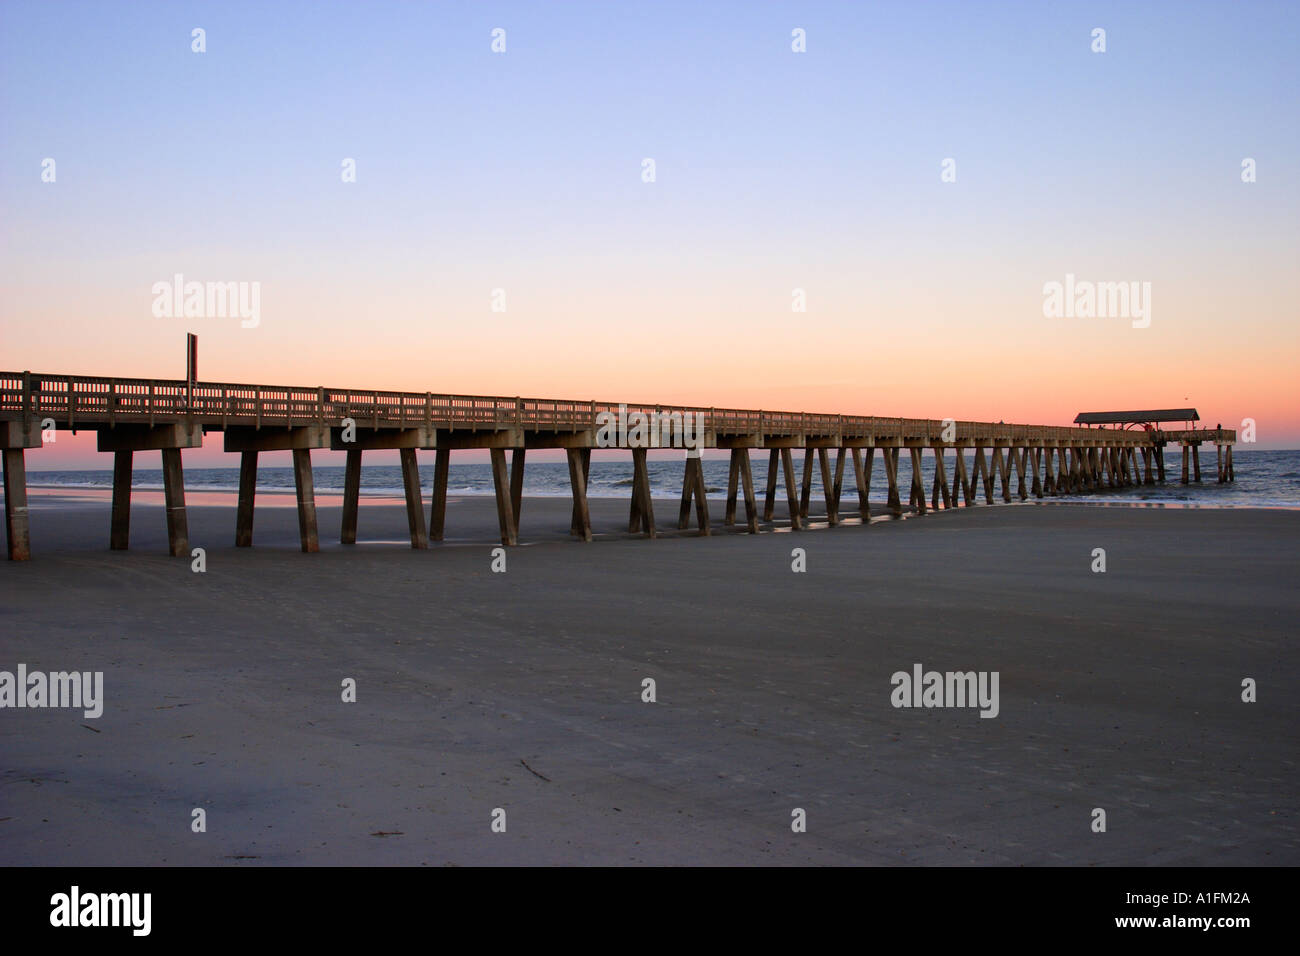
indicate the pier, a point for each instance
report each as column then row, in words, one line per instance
column 169, row 415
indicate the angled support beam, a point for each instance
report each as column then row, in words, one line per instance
column 791, row 489
column 805, row 492
column 828, row 486
column 1004, row 467
column 414, row 499
column 693, row 487
column 894, row 502
column 1020, row 455
column 747, row 483
column 918, row 483
column 940, row 489
column 505, row 510
column 862, row 480
column 578, row 524
column 1035, row 461
column 982, row 474
column 642, row 517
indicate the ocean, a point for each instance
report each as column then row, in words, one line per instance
column 1265, row 479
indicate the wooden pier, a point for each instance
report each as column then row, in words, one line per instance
column 169, row 415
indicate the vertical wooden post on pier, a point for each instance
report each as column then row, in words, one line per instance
column 1218, row 461
column 982, row 474
column 828, row 487
column 1232, row 475
column 791, row 489
column 1160, row 463
column 248, row 496
column 733, row 483
column 119, row 535
column 1021, row 454
column 351, row 495
column 769, row 502
column 838, row 480
column 178, row 535
column 1035, row 462
column 517, row 482
column 581, row 525
column 505, row 510
column 17, row 531
column 1186, row 455
column 805, row 492
column 1196, row 460
column 894, row 501
column 918, row 483
column 438, row 507
column 306, row 490
column 747, row 485
column 414, row 498
column 862, row 480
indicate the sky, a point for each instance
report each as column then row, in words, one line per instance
column 517, row 180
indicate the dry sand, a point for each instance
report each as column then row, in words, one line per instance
column 1118, row 690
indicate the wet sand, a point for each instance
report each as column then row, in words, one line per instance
column 522, row 691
